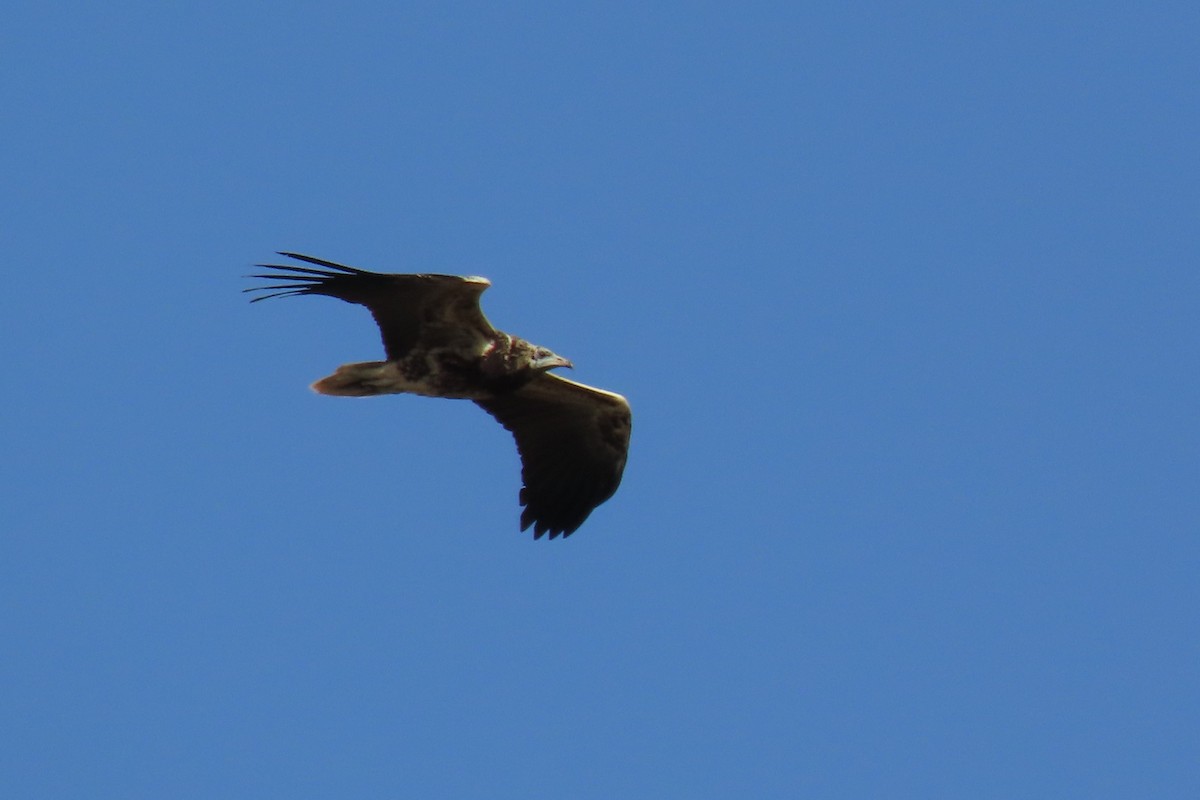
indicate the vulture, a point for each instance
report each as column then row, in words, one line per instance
column 572, row 439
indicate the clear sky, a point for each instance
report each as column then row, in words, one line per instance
column 904, row 298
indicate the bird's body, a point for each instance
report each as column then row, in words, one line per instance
column 573, row 439
column 471, row 369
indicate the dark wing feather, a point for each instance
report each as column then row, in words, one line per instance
column 409, row 309
column 573, row 440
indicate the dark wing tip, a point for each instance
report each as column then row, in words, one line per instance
column 541, row 526
column 320, row 262
column 286, row 293
column 332, row 279
column 563, row 509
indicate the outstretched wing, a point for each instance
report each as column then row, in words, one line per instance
column 573, row 440
column 427, row 310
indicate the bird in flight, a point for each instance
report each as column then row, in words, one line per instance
column 573, row 439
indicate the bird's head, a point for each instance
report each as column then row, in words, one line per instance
column 542, row 359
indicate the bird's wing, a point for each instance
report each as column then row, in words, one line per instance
column 409, row 309
column 573, row 440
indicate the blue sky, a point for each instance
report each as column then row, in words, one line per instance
column 904, row 300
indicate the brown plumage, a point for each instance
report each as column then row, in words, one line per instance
column 573, row 439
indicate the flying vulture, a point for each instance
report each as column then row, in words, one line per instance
column 572, row 438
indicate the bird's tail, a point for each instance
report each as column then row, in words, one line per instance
column 354, row 380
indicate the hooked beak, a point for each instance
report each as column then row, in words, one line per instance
column 550, row 362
